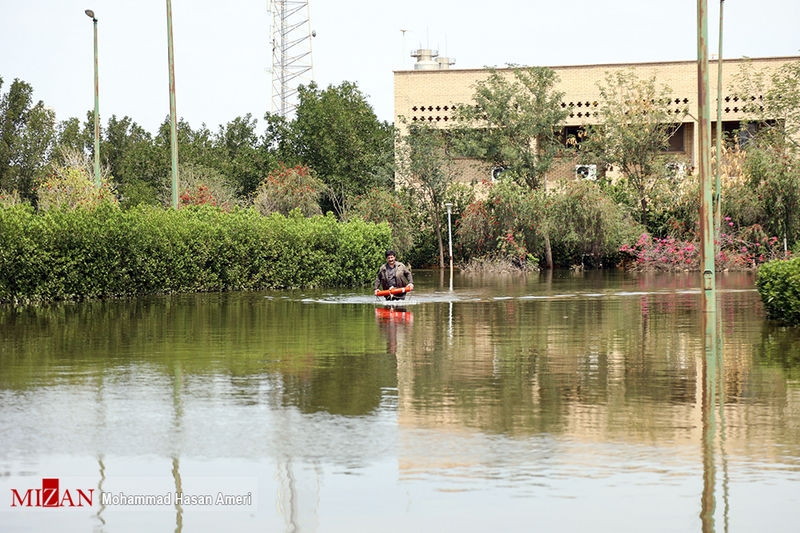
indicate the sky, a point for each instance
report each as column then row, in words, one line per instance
column 223, row 52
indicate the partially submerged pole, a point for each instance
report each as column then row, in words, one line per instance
column 704, row 158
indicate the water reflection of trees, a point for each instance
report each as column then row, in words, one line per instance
column 621, row 365
column 580, row 365
column 317, row 357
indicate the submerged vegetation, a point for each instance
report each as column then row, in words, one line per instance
column 106, row 251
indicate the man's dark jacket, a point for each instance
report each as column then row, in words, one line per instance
column 402, row 276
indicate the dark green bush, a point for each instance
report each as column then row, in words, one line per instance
column 78, row 254
column 778, row 284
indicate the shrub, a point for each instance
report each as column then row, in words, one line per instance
column 741, row 249
column 71, row 188
column 203, row 186
column 287, row 189
column 778, row 283
column 504, row 224
column 7, row 199
column 579, row 218
column 586, row 224
column 64, row 254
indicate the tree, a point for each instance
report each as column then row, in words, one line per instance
column 636, row 120
column 514, row 122
column 27, row 133
column 772, row 149
column 70, row 137
column 245, row 158
column 776, row 109
column 336, row 132
column 422, row 156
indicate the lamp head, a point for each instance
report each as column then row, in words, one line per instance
column 90, row 14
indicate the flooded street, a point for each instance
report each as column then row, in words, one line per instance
column 553, row 402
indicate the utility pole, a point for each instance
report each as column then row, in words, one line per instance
column 173, row 126
column 704, row 148
column 717, row 173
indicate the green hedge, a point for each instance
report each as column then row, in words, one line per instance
column 779, row 286
column 108, row 252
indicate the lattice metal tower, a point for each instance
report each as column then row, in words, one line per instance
column 291, row 52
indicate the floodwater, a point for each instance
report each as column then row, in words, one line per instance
column 553, row 402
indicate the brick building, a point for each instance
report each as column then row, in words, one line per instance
column 429, row 92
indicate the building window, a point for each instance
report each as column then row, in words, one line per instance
column 572, row 135
column 676, row 140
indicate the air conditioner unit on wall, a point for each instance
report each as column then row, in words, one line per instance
column 496, row 171
column 586, row 172
column 676, row 169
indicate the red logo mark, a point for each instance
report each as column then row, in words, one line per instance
column 50, row 496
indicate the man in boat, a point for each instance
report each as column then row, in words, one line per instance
column 393, row 274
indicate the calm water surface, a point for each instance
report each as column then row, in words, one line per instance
column 563, row 402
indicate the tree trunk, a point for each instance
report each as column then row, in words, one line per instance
column 643, row 201
column 548, row 252
column 438, row 226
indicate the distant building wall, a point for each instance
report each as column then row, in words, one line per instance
column 429, row 96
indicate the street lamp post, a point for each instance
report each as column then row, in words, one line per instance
column 450, row 241
column 90, row 14
column 173, row 128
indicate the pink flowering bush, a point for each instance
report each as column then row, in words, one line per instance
column 744, row 249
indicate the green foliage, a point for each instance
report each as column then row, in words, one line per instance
column 488, row 227
column 514, row 122
column 27, row 132
column 63, row 254
column 586, row 225
column 203, row 186
column 139, row 192
column 288, row 189
column 383, row 205
column 581, row 221
column 636, row 121
column 673, row 205
column 243, row 157
column 336, row 133
column 7, row 199
column 774, row 179
column 72, row 188
column 778, row 284
column 424, row 162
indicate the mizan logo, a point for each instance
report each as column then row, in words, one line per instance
column 50, row 496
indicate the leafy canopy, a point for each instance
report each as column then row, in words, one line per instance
column 514, row 122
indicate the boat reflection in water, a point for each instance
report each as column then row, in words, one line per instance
column 390, row 320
